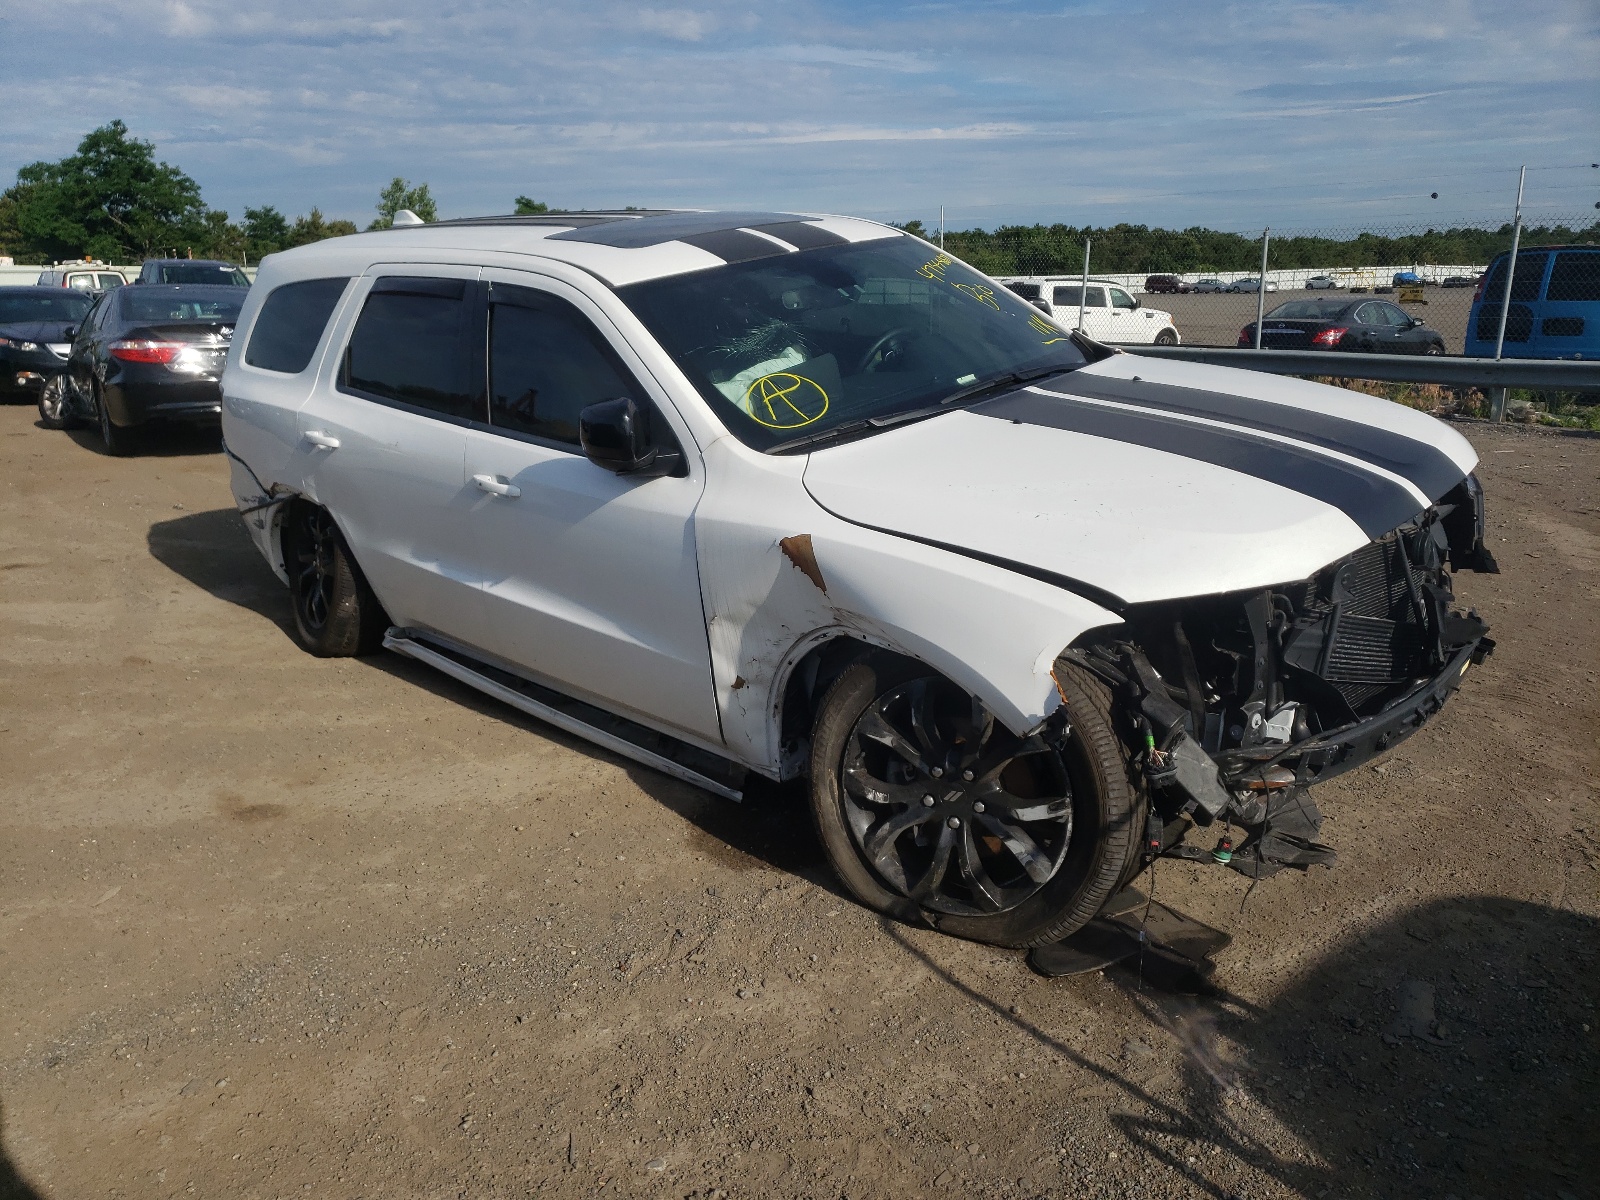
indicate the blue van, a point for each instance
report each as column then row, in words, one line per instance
column 1555, row 305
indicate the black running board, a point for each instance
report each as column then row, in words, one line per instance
column 719, row 776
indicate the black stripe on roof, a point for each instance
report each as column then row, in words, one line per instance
column 803, row 235
column 1374, row 503
column 1432, row 470
column 734, row 245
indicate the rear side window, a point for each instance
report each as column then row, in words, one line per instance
column 547, row 362
column 1576, row 276
column 290, row 324
column 412, row 345
column 1524, row 284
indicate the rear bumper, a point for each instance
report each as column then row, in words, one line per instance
column 133, row 403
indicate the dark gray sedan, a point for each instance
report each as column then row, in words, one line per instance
column 1372, row 326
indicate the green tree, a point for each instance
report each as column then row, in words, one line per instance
column 527, row 207
column 111, row 199
column 266, row 231
column 400, row 194
column 313, row 227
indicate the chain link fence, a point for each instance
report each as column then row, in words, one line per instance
column 1206, row 286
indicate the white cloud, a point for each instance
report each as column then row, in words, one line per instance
column 680, row 24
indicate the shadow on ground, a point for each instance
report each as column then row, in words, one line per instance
column 155, row 440
column 1450, row 1051
column 12, row 1185
column 213, row 551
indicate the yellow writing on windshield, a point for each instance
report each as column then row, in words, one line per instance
column 1052, row 335
column 980, row 293
column 934, row 267
column 784, row 400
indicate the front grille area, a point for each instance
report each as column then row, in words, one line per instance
column 1379, row 638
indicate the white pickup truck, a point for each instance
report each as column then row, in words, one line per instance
column 1110, row 314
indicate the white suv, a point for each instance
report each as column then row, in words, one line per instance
column 1109, row 313
column 804, row 496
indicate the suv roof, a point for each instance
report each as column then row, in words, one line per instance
column 618, row 247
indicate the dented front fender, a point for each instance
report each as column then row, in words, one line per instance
column 781, row 576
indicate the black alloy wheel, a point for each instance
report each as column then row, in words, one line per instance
column 934, row 813
column 315, row 568
column 335, row 613
column 948, row 807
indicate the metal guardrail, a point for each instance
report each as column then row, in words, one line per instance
column 1547, row 374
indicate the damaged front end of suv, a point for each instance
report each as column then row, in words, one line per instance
column 1236, row 703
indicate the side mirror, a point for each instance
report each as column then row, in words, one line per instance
column 1041, row 306
column 70, row 332
column 1136, row 304
column 615, row 434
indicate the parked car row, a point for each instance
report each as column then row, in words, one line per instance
column 1176, row 285
column 805, row 497
column 95, row 276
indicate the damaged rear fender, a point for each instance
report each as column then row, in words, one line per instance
column 262, row 507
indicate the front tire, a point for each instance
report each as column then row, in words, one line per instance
column 1167, row 337
column 56, row 404
column 336, row 614
column 933, row 813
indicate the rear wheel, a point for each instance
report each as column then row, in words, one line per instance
column 114, row 437
column 335, row 613
column 56, row 404
column 933, row 812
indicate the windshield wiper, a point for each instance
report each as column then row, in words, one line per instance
column 822, row 435
column 1001, row 382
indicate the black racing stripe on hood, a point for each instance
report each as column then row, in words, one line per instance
column 1374, row 503
column 1432, row 470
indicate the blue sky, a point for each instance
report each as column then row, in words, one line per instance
column 1166, row 112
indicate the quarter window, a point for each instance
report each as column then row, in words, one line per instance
column 1070, row 293
column 1524, row 284
column 1576, row 276
column 412, row 345
column 547, row 362
column 290, row 324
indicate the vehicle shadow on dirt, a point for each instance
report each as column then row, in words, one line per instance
column 213, row 551
column 770, row 828
column 154, row 441
column 1452, row 1047
column 12, row 1185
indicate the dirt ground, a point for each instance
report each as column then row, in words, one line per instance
column 1215, row 318
column 278, row 926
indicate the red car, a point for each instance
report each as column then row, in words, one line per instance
column 1166, row 283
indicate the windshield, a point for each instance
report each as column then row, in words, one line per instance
column 62, row 306
column 1308, row 310
column 798, row 344
column 193, row 272
column 152, row 304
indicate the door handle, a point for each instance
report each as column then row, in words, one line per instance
column 496, row 487
column 320, row 440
